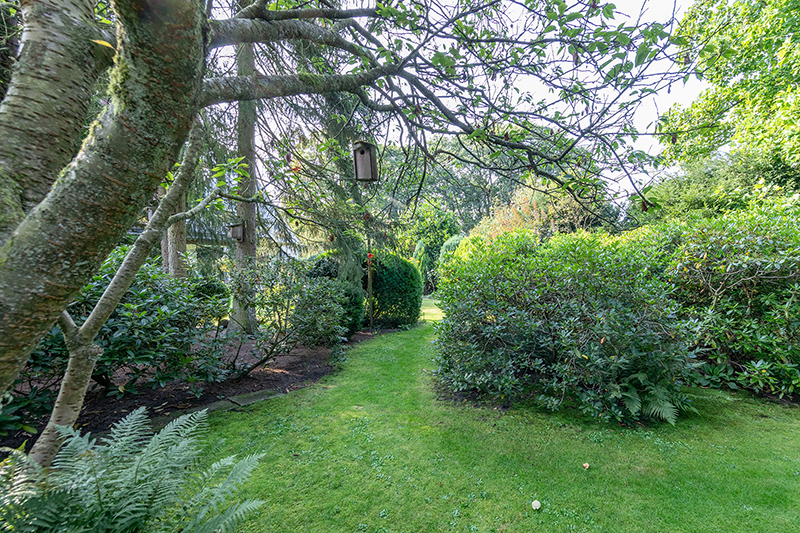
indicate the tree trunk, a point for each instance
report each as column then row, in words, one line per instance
column 61, row 243
column 164, row 240
column 83, row 353
column 242, row 314
column 45, row 107
column 177, row 243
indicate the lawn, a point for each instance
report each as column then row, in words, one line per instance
column 373, row 448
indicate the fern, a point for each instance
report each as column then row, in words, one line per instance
column 659, row 404
column 132, row 481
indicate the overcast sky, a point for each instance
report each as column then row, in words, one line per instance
column 659, row 10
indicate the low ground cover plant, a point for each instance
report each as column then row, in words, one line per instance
column 129, row 481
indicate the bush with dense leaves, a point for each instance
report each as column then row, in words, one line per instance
column 150, row 339
column 581, row 317
column 292, row 308
column 353, row 301
column 396, row 291
column 738, row 279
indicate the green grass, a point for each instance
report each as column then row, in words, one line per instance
column 371, row 448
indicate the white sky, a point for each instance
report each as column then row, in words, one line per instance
column 659, row 10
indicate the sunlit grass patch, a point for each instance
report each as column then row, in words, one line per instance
column 372, row 448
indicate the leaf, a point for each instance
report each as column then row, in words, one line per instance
column 104, row 43
column 641, row 53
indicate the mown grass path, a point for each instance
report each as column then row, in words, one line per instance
column 371, row 448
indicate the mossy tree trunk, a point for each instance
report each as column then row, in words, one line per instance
column 83, row 352
column 61, row 242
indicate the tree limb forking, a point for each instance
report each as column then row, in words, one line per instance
column 56, row 249
column 83, row 353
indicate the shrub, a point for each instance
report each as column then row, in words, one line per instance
column 581, row 318
column 130, row 482
column 353, row 301
column 738, row 279
column 292, row 308
column 396, row 291
column 449, row 248
column 150, row 339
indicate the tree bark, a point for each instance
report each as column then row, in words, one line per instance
column 45, row 107
column 242, row 314
column 60, row 244
column 177, row 242
column 10, row 25
column 83, row 353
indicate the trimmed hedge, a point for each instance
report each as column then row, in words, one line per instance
column 396, row 291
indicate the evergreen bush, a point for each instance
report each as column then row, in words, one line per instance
column 396, row 291
column 738, row 279
column 580, row 318
column 353, row 300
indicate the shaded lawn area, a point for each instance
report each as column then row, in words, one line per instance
column 372, row 448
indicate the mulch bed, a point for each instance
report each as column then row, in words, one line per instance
column 298, row 369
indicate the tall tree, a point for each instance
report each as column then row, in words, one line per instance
column 243, row 315
column 749, row 53
column 451, row 68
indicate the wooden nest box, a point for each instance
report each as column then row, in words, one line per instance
column 365, row 162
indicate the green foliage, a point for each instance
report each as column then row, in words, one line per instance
column 149, row 336
column 396, row 291
column 449, row 249
column 157, row 334
column 749, row 53
column 715, row 185
column 292, row 308
column 738, row 278
column 430, row 228
column 128, row 482
column 353, row 300
column 580, row 317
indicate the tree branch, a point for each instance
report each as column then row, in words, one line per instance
column 232, row 89
column 237, row 31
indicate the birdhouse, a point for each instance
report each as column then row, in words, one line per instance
column 366, row 165
column 236, row 231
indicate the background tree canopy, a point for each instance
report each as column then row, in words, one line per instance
column 750, row 54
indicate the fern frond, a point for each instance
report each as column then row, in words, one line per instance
column 659, row 404
column 129, row 434
column 631, row 400
column 226, row 522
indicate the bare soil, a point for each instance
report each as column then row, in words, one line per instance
column 300, row 368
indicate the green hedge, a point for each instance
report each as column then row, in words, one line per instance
column 580, row 318
column 396, row 291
